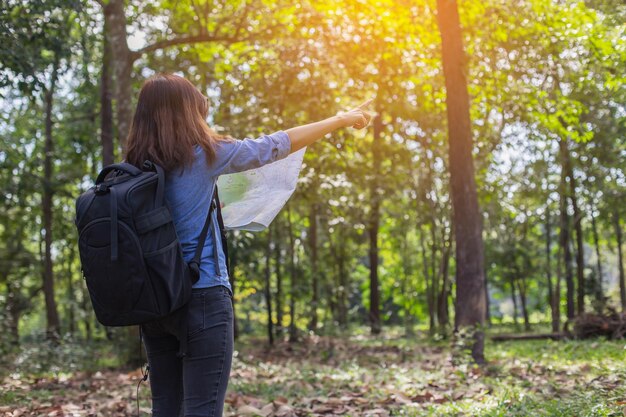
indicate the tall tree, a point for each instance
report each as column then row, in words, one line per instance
column 314, row 267
column 268, row 287
column 564, row 240
column 470, row 274
column 373, row 228
column 106, row 106
column 52, row 315
column 620, row 258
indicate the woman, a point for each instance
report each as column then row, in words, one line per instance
column 169, row 128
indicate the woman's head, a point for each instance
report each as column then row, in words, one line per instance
column 169, row 120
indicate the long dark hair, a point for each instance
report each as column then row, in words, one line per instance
column 169, row 120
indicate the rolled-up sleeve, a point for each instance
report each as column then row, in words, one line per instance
column 242, row 155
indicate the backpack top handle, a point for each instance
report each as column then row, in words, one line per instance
column 124, row 167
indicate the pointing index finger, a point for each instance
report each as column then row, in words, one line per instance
column 366, row 103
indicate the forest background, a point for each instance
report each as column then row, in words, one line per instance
column 521, row 164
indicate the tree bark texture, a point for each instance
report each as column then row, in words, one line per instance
column 106, row 106
column 551, row 290
column 564, row 238
column 268, row 287
column 279, row 284
column 122, row 64
column 52, row 315
column 470, row 277
column 620, row 259
column 293, row 336
column 598, row 291
column 314, row 271
column 580, row 259
column 374, row 225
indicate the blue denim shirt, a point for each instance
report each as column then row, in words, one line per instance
column 188, row 193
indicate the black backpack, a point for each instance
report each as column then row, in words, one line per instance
column 130, row 255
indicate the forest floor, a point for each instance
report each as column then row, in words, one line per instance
column 360, row 376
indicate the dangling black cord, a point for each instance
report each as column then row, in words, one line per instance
column 144, row 373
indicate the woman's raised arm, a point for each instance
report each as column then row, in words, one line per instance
column 305, row 135
column 242, row 155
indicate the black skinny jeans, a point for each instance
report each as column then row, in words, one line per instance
column 194, row 385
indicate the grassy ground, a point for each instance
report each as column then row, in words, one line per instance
column 362, row 376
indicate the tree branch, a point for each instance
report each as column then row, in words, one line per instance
column 183, row 40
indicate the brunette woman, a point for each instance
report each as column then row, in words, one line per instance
column 169, row 128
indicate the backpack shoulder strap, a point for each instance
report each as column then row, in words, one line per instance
column 222, row 230
column 194, row 264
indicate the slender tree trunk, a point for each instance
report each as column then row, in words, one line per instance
column 514, row 298
column 580, row 260
column 564, row 239
column 314, row 271
column 470, row 274
column 487, row 301
column 443, row 314
column 521, row 282
column 13, row 310
column 84, row 305
column 342, row 299
column 434, row 274
column 293, row 336
column 279, row 284
column 405, row 287
column 52, row 315
column 554, row 308
column 268, row 287
column 429, row 288
column 106, row 107
column 232, row 261
column 71, row 301
column 374, row 225
column 620, row 259
column 599, row 292
column 122, row 64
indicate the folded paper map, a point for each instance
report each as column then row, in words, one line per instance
column 251, row 199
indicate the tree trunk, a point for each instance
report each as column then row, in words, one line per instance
column 620, row 259
column 470, row 276
column 268, row 289
column 314, row 271
column 521, row 282
column 580, row 260
column 52, row 315
column 599, row 292
column 279, row 283
column 554, row 308
column 434, row 274
column 342, row 298
column 13, row 311
column 487, row 301
column 85, row 306
column 564, row 238
column 106, row 108
column 443, row 314
column 514, row 298
column 232, row 261
column 405, row 286
column 122, row 64
column 293, row 335
column 432, row 313
column 71, row 302
column 374, row 224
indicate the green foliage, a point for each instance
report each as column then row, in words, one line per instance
column 538, row 72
